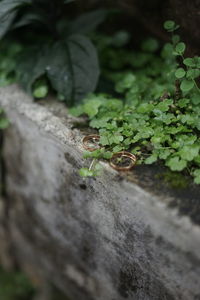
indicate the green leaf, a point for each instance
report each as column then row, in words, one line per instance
column 6, row 22
column 151, row 159
column 99, row 123
column 187, row 118
column 76, row 111
column 195, row 99
column 4, row 123
column 40, row 89
column 196, row 175
column 186, row 85
column 85, row 172
column 73, row 69
column 164, row 154
column 193, row 73
column 197, row 159
column 170, row 25
column 71, row 66
column 150, row 45
column 164, row 105
column 116, row 139
column 117, row 148
column 145, row 108
column 98, row 153
column 146, row 132
column 126, row 83
column 91, row 108
column 108, row 154
column 8, row 11
column 166, row 118
column 36, row 59
column 189, row 62
column 186, row 139
column 180, row 48
column 121, row 38
column 175, row 38
column 167, row 50
column 26, row 20
column 189, row 152
column 104, row 140
column 176, row 164
column 183, row 102
column 180, row 73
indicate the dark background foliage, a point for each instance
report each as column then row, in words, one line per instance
column 55, row 35
column 56, row 44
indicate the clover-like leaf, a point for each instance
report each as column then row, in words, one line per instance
column 196, row 175
column 189, row 62
column 145, row 108
column 91, row 107
column 189, row 152
column 170, row 25
column 186, row 85
column 180, row 48
column 195, row 99
column 180, row 73
column 126, row 83
column 193, row 73
column 176, row 163
column 151, row 159
column 164, row 153
column 164, row 105
column 183, row 102
column 85, row 172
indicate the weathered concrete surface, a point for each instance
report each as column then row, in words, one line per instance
column 96, row 239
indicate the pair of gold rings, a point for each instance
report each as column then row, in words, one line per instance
column 120, row 161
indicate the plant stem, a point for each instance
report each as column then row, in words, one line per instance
column 92, row 164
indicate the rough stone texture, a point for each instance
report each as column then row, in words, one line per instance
column 96, row 239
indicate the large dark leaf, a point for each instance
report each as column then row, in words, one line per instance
column 74, row 69
column 85, row 66
column 27, row 19
column 8, row 5
column 71, row 66
column 5, row 22
column 32, row 64
column 59, row 70
column 87, row 22
column 8, row 10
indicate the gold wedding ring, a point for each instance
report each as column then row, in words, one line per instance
column 123, row 161
column 91, row 142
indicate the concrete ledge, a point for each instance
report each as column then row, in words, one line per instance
column 99, row 238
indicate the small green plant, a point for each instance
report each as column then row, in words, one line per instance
column 55, row 50
column 15, row 286
column 158, row 118
column 3, row 120
column 8, row 59
column 189, row 68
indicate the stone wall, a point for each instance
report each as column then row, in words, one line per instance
column 99, row 238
